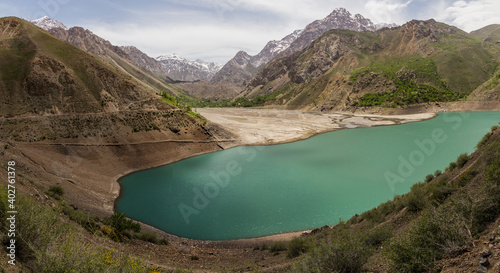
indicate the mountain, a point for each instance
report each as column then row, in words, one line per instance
column 48, row 24
column 422, row 61
column 242, row 67
column 165, row 70
column 42, row 75
column 490, row 90
column 385, row 25
column 135, row 63
column 181, row 69
column 142, row 60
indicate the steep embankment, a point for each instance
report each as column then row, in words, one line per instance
column 72, row 119
column 422, row 61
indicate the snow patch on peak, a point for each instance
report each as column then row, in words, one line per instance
column 173, row 56
column 183, row 69
column 283, row 44
column 385, row 25
column 47, row 23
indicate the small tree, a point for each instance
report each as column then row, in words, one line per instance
column 120, row 223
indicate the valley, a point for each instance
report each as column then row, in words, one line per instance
column 79, row 114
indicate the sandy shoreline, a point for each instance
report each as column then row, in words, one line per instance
column 270, row 126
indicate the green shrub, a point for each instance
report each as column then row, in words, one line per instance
column 83, row 218
column 378, row 236
column 119, row 222
column 112, row 233
column 462, row 160
column 343, row 252
column 429, row 177
column 296, row 247
column 483, row 140
column 435, row 234
column 452, row 166
column 56, row 191
column 465, row 178
column 493, row 171
column 415, row 200
column 277, row 247
column 440, row 194
column 437, row 173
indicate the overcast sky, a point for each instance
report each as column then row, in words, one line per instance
column 215, row 30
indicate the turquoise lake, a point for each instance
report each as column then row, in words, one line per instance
column 254, row 191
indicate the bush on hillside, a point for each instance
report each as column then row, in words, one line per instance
column 344, row 251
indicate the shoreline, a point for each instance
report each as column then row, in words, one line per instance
column 285, row 236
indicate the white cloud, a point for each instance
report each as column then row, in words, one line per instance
column 386, row 11
column 212, row 30
column 210, row 42
column 472, row 15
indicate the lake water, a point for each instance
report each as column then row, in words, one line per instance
column 254, row 191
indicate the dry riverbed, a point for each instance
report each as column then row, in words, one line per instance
column 269, row 126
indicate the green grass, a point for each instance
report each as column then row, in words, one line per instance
column 45, row 243
column 420, row 84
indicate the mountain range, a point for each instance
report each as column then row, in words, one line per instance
column 340, row 62
column 182, row 69
column 236, row 71
column 421, row 61
column 174, row 67
column 243, row 67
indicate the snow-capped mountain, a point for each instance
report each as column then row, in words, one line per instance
column 48, row 24
column 275, row 47
column 385, row 25
column 243, row 66
column 181, row 69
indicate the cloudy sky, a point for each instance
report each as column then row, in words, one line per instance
column 215, row 30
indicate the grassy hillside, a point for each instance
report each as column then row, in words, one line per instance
column 422, row 61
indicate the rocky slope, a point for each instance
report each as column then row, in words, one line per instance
column 181, row 69
column 421, row 61
column 242, row 67
column 71, row 118
column 133, row 62
column 44, row 75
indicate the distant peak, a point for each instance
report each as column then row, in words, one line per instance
column 47, row 23
column 173, row 56
column 341, row 10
